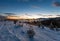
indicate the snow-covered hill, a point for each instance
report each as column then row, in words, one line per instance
column 11, row 32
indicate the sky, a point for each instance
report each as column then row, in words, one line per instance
column 30, row 7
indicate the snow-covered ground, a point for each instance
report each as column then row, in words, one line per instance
column 11, row 32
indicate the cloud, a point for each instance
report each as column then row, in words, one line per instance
column 28, row 14
column 1, row 6
column 9, row 14
column 58, row 15
column 30, row 0
column 41, row 0
column 56, row 4
column 35, row 6
column 39, row 14
column 23, row 0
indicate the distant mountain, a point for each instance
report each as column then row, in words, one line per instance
column 2, row 17
column 44, row 19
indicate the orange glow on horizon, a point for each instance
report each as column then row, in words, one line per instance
column 29, row 17
column 12, row 17
column 19, row 17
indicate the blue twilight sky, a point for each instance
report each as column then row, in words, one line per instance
column 30, row 7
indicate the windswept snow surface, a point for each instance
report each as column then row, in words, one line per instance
column 11, row 32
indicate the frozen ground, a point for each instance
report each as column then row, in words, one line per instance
column 11, row 32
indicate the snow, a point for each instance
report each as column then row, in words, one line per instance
column 13, row 32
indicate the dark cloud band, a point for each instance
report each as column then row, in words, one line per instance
column 56, row 4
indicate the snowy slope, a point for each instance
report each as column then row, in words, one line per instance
column 11, row 32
